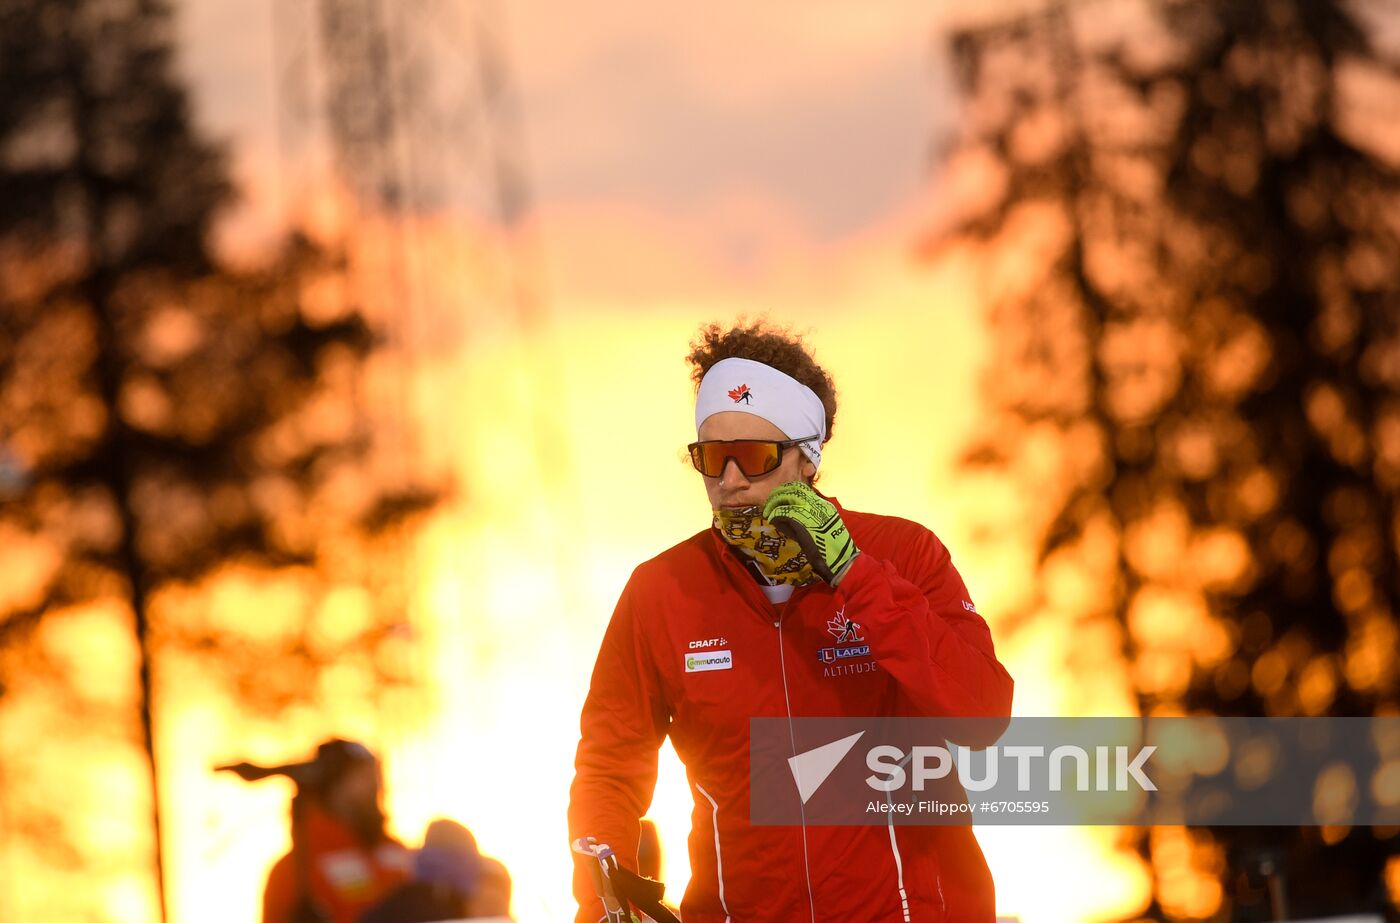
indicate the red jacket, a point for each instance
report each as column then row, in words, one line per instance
column 346, row 876
column 933, row 656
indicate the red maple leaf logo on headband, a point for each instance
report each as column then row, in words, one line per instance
column 740, row 393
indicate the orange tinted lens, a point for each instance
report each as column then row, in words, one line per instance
column 754, row 458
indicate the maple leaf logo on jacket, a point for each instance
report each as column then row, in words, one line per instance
column 741, row 394
column 844, row 629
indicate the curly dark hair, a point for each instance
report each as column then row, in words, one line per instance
column 769, row 343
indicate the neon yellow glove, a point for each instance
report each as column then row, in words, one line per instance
column 813, row 522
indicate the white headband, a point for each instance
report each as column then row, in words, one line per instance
column 752, row 387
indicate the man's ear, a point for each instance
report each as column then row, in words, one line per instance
column 809, row 470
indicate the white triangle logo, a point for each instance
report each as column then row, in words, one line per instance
column 810, row 769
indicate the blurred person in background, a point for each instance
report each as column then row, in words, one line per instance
column 649, row 858
column 451, row 881
column 782, row 572
column 649, row 851
column 342, row 860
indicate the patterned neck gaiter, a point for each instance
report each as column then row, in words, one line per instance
column 779, row 558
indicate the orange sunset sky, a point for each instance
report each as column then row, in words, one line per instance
column 734, row 160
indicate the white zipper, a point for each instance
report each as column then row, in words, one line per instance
column 792, row 739
column 719, row 865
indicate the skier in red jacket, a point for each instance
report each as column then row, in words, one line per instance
column 731, row 624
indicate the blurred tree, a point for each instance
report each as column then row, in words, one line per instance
column 1191, row 212
column 165, row 421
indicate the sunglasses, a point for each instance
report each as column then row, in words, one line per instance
column 755, row 457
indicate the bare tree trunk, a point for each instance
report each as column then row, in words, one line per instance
column 115, row 460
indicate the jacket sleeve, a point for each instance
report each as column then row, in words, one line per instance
column 925, row 630
column 624, row 721
column 280, row 894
